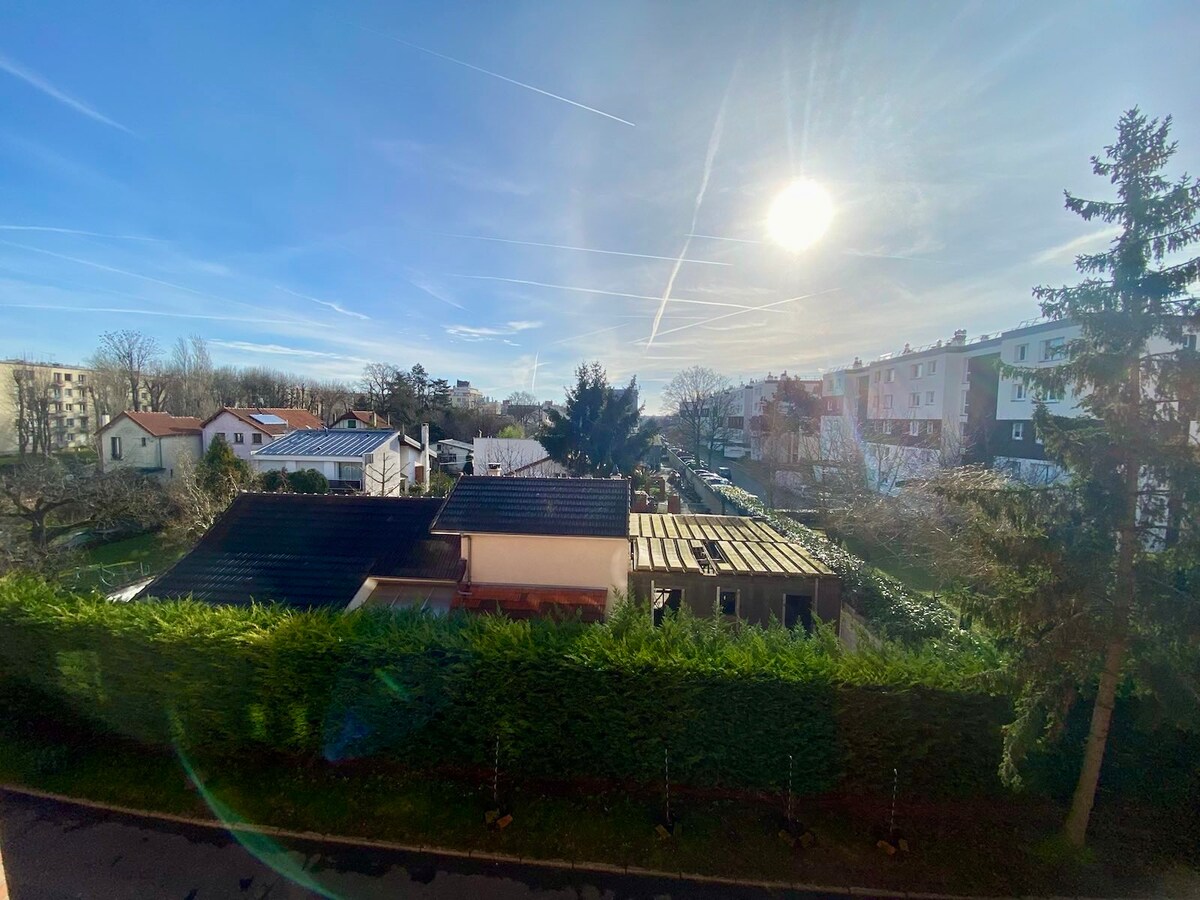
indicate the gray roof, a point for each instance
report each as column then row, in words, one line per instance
column 312, row 442
column 580, row 507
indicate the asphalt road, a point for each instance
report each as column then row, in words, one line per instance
column 53, row 851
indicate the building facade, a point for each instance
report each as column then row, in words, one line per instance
column 246, row 430
column 377, row 462
column 54, row 398
column 153, row 443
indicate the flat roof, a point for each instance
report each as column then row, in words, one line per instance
column 716, row 545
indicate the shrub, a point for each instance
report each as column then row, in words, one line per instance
column 308, row 481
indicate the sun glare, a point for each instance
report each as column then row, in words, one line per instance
column 800, row 215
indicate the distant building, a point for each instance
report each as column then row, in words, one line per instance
column 64, row 390
column 360, row 418
column 452, row 455
column 463, row 396
column 525, row 457
column 153, row 443
column 379, row 462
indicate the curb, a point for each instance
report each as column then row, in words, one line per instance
column 488, row 856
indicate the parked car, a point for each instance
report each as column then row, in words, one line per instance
column 725, row 472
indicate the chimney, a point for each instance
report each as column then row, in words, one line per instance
column 425, row 455
column 960, row 337
column 104, row 420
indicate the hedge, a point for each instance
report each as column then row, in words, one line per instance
column 567, row 699
column 889, row 606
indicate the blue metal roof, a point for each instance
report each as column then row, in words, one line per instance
column 347, row 442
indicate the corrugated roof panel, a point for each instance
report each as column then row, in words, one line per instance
column 311, row 442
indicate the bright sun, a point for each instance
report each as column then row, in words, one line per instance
column 800, row 215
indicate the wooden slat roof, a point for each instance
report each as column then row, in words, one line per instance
column 744, row 546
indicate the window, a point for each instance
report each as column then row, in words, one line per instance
column 256, row 438
column 887, row 401
column 68, row 392
column 889, row 376
column 1019, row 390
column 1189, row 342
column 729, row 602
column 914, row 399
column 933, row 367
column 737, row 422
column 1018, row 431
column 666, row 599
column 70, row 407
column 82, row 407
column 966, row 404
column 67, row 376
column 929, row 397
column 114, row 447
column 914, row 428
column 83, row 422
column 1054, row 349
column 70, row 423
column 877, row 376
column 1052, row 395
column 1020, row 353
column 222, row 435
column 352, row 423
column 239, row 438
column 916, row 370
column 70, row 436
column 143, row 442
column 81, row 379
column 58, row 376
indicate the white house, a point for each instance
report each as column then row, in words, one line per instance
column 246, row 430
column 452, row 455
column 154, row 443
column 360, row 418
column 360, row 460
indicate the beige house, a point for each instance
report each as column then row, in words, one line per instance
column 246, row 430
column 540, row 546
column 61, row 395
column 153, row 443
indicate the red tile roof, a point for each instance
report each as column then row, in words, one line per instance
column 161, row 424
column 366, row 416
column 295, row 418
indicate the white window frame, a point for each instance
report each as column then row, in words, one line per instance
column 1054, row 349
column 914, row 428
column 887, row 401
column 889, row 376
column 1019, row 393
column 929, row 395
column 239, row 437
column 918, row 370
column 1020, row 353
column 914, row 399
column 933, row 367
column 1018, row 431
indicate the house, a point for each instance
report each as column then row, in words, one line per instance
column 514, row 456
column 379, row 462
column 245, row 430
column 736, row 564
column 154, row 443
column 360, row 418
column 320, row 551
column 540, row 546
column 452, row 455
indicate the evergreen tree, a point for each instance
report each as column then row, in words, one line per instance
column 1097, row 581
column 601, row 432
column 221, row 472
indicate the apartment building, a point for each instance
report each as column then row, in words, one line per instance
column 743, row 434
column 60, row 393
column 464, row 396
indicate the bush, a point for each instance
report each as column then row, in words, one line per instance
column 304, row 481
column 569, row 700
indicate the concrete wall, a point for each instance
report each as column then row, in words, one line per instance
column 529, row 559
column 141, row 450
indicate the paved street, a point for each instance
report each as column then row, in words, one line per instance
column 53, row 851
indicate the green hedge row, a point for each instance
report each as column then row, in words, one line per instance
column 568, row 700
column 885, row 603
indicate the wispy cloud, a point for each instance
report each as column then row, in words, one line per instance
column 334, row 306
column 33, row 79
column 424, row 159
column 100, row 234
column 277, row 349
column 136, row 311
column 1072, row 248
column 487, row 332
column 601, row 292
column 476, row 237
column 421, row 283
column 521, row 84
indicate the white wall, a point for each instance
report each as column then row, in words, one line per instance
column 230, row 425
column 142, row 450
column 576, row 562
column 1009, row 408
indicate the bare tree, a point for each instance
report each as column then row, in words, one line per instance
column 383, row 476
column 700, row 401
column 126, row 354
column 33, row 395
column 190, row 378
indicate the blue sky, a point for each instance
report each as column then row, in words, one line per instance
column 315, row 187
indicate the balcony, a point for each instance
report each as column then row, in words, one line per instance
column 345, row 486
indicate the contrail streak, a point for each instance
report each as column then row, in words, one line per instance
column 583, row 290
column 476, row 237
column 35, row 80
column 714, row 237
column 528, row 87
column 99, row 234
column 765, row 306
column 714, row 141
column 136, row 312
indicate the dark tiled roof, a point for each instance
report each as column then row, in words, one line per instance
column 585, row 507
column 310, row 550
column 350, row 443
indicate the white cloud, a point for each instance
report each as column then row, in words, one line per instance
column 487, row 332
column 1072, row 248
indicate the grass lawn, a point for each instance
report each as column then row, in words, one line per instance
column 154, row 551
column 983, row 847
